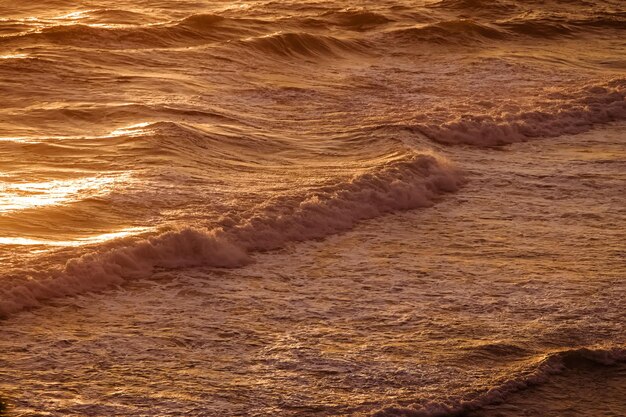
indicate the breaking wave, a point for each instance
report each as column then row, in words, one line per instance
column 416, row 181
column 591, row 106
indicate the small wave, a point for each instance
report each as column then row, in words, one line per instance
column 200, row 29
column 193, row 143
column 588, row 107
column 166, row 137
column 475, row 5
column 416, row 181
column 116, row 17
column 551, row 364
column 541, row 28
column 607, row 21
column 358, row 20
column 469, row 31
column 97, row 118
column 120, row 37
column 489, row 351
column 301, row 44
column 11, row 27
column 11, row 64
column 555, row 26
column 202, row 22
column 193, row 30
column 446, row 32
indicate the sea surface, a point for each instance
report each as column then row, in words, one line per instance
column 392, row 208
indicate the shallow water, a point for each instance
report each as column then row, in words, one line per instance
column 313, row 208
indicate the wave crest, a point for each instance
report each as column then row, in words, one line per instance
column 551, row 364
column 590, row 106
column 358, row 20
column 293, row 44
column 416, row 181
column 193, row 30
column 474, row 5
column 447, row 32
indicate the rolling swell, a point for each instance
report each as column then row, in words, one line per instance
column 416, row 181
column 469, row 32
column 447, row 32
column 97, row 117
column 357, row 20
column 586, row 108
column 475, row 6
column 191, row 143
column 293, row 44
column 477, row 28
column 193, row 30
column 259, row 35
column 559, row 26
column 115, row 16
column 549, row 365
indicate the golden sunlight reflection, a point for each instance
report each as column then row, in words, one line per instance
column 14, row 56
column 126, row 232
column 132, row 130
column 74, row 15
column 83, row 17
column 18, row 139
column 28, row 195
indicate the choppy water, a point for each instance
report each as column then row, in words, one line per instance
column 391, row 208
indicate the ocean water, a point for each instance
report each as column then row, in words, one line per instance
column 313, row 208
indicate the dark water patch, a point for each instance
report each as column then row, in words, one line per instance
column 564, row 26
column 493, row 351
column 97, row 118
column 358, row 20
column 549, row 370
column 616, row 20
column 209, row 22
column 480, row 6
column 584, row 388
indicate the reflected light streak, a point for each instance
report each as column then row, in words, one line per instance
column 22, row 196
column 133, row 130
column 20, row 241
column 14, row 56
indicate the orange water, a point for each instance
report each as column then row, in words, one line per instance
column 312, row 208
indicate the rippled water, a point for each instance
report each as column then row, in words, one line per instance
column 392, row 208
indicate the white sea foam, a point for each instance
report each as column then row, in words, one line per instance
column 590, row 106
